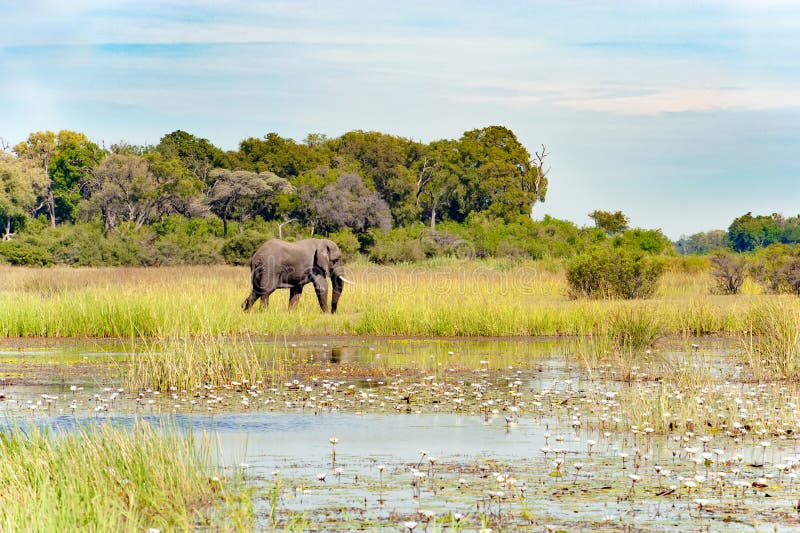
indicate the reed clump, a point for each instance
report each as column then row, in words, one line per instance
column 102, row 478
column 186, row 363
column 621, row 341
column 772, row 347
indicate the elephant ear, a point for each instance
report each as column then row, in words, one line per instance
column 322, row 258
column 334, row 254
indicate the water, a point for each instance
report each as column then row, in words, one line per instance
column 534, row 440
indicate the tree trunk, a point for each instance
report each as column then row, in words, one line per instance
column 7, row 235
column 51, row 208
column 225, row 218
column 433, row 216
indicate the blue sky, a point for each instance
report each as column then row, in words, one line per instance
column 683, row 115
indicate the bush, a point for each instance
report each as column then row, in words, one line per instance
column 237, row 251
column 347, row 242
column 606, row 272
column 522, row 237
column 23, row 254
column 776, row 268
column 688, row 264
column 652, row 241
column 399, row 245
column 790, row 275
column 728, row 271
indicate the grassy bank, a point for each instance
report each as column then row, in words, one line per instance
column 107, row 479
column 445, row 299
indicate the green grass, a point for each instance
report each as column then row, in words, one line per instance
column 99, row 478
column 186, row 363
column 773, row 346
column 467, row 298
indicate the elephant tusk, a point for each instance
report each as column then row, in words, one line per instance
column 346, row 280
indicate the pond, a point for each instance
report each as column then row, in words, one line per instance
column 432, row 434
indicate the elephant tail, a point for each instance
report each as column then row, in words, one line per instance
column 255, row 278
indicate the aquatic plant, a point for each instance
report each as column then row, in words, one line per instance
column 103, row 478
column 772, row 348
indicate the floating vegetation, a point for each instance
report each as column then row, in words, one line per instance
column 435, row 435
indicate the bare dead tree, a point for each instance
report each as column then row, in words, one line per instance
column 541, row 173
column 424, row 176
column 281, row 225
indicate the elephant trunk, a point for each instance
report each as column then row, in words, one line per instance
column 338, row 285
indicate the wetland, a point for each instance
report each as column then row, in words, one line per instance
column 332, row 433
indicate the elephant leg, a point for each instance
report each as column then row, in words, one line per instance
column 321, row 288
column 248, row 303
column 294, row 295
column 265, row 301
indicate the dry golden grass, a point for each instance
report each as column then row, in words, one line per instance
column 455, row 299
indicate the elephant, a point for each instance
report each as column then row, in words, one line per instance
column 279, row 264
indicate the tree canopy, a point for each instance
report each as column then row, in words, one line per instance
column 610, row 223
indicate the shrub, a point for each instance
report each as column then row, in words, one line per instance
column 237, row 251
column 522, row 237
column 728, row 271
column 347, row 242
column 688, row 264
column 398, row 245
column 652, row 241
column 605, row 272
column 776, row 268
column 23, row 254
column 790, row 275
column 442, row 243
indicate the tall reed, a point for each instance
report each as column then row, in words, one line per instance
column 772, row 347
column 460, row 298
column 185, row 363
column 101, row 478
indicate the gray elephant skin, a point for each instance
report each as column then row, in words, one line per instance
column 279, row 264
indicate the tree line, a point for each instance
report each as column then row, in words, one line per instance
column 746, row 233
column 385, row 196
column 65, row 199
column 359, row 180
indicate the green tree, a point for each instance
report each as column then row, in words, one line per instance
column 790, row 229
column 276, row 154
column 241, row 193
column 499, row 174
column 652, row 241
column 197, row 155
column 747, row 232
column 611, row 223
column 437, row 173
column 20, row 181
column 69, row 168
column 703, row 242
column 66, row 158
column 40, row 147
column 385, row 163
column 141, row 189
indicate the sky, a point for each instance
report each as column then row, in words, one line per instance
column 683, row 115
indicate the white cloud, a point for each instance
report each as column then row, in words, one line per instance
column 683, row 100
column 633, row 100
